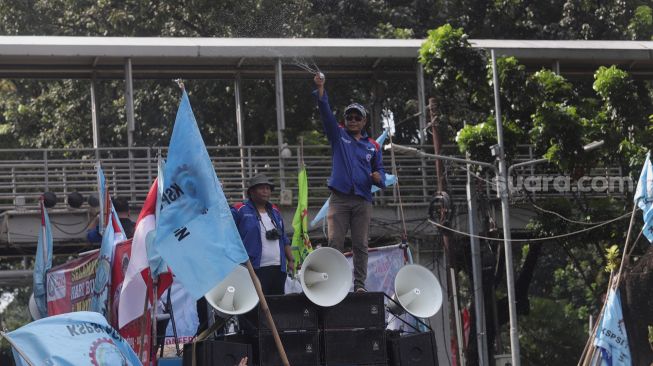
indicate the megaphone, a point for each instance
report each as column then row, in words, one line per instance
column 325, row 276
column 33, row 309
column 417, row 291
column 234, row 295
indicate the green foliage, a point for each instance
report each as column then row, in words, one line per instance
column 458, row 74
column 547, row 336
column 641, row 24
column 557, row 134
column 477, row 139
column 612, row 257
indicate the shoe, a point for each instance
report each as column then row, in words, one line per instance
column 360, row 290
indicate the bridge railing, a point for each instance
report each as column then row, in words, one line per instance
column 27, row 173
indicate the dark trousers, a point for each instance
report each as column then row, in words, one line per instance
column 348, row 211
column 272, row 279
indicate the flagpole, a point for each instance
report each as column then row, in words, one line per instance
column 613, row 282
column 143, row 326
column 4, row 335
column 266, row 310
column 153, row 336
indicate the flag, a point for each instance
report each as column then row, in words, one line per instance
column 113, row 233
column 137, row 277
column 644, row 197
column 389, row 180
column 71, row 339
column 301, row 243
column 611, row 337
column 43, row 262
column 195, row 232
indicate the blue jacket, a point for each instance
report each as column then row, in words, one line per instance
column 249, row 228
column 352, row 161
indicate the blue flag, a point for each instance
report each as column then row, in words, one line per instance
column 611, row 337
column 43, row 262
column 644, row 197
column 71, row 339
column 113, row 234
column 195, row 234
column 102, row 283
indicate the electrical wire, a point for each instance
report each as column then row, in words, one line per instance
column 532, row 239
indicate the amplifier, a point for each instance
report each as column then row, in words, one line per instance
column 356, row 346
column 414, row 350
column 290, row 312
column 217, row 353
column 357, row 310
column 302, row 348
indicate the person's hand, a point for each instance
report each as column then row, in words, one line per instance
column 243, row 361
column 93, row 223
column 319, row 80
column 291, row 265
column 376, row 177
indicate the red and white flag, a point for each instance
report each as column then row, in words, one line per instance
column 137, row 277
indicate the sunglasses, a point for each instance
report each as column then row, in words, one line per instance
column 351, row 117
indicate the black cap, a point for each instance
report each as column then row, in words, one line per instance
column 260, row 179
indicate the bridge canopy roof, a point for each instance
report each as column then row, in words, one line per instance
column 151, row 58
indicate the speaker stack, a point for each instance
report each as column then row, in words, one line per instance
column 354, row 330
column 326, row 324
column 296, row 320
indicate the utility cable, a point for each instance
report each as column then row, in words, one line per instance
column 532, row 239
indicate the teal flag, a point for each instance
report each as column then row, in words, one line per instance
column 43, row 262
column 195, row 234
column 71, row 339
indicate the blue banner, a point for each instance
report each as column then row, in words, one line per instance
column 72, row 339
column 43, row 262
column 196, row 234
column 611, row 337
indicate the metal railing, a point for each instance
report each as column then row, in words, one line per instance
column 29, row 172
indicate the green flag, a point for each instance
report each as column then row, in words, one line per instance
column 301, row 243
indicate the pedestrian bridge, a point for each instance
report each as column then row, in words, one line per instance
column 26, row 173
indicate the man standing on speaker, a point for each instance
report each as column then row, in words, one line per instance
column 357, row 164
column 261, row 227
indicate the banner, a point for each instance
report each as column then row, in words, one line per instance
column 70, row 285
column 382, row 266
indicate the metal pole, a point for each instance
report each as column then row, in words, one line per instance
column 240, row 132
column 421, row 108
column 421, row 104
column 281, row 119
column 477, row 274
column 505, row 214
column 94, row 120
column 129, row 101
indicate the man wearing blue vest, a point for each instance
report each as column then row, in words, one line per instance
column 357, row 164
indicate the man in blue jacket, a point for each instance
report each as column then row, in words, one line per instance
column 261, row 227
column 357, row 163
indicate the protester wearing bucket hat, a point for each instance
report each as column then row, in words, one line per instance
column 357, row 164
column 261, row 227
